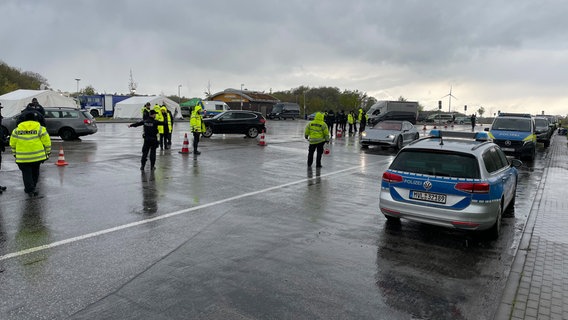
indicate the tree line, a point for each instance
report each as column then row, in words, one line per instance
column 13, row 79
column 325, row 98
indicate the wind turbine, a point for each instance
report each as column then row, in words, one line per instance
column 450, row 95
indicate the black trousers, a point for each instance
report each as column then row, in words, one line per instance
column 196, row 140
column 149, row 147
column 30, row 175
column 313, row 148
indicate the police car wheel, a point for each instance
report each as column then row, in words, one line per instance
column 493, row 232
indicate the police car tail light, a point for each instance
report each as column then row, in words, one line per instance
column 391, row 177
column 473, row 187
column 86, row 121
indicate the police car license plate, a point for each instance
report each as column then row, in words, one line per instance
column 508, row 149
column 428, row 196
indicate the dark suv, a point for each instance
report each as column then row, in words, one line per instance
column 515, row 133
column 544, row 130
column 68, row 123
column 250, row 123
column 285, row 110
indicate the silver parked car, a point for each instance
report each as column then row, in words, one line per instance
column 390, row 133
column 68, row 123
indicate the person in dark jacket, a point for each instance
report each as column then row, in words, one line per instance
column 34, row 108
column 150, row 138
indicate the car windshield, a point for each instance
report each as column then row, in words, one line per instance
column 541, row 122
column 277, row 108
column 512, row 124
column 388, row 126
column 435, row 163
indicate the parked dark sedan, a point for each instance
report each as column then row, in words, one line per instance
column 250, row 123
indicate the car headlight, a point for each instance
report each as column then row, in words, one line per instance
column 364, row 134
column 391, row 136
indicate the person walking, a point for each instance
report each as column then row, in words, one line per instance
column 473, row 118
column 31, row 146
column 196, row 125
column 2, row 145
column 317, row 133
column 150, row 139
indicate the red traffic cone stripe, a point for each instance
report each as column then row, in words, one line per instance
column 262, row 142
column 61, row 159
column 185, row 147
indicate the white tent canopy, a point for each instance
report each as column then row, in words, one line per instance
column 14, row 102
column 131, row 108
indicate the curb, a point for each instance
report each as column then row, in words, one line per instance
column 506, row 306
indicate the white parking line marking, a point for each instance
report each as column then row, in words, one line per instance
column 165, row 216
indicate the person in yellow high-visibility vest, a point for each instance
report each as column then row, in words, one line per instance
column 31, row 146
column 317, row 133
column 166, row 133
column 197, row 126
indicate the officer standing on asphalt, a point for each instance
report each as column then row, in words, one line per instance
column 31, row 145
column 36, row 109
column 2, row 145
column 351, row 122
column 150, row 138
column 318, row 134
column 473, row 122
column 166, row 129
column 197, row 126
column 146, row 111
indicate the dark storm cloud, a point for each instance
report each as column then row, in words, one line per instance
column 408, row 48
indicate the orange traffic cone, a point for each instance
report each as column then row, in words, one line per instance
column 185, row 146
column 339, row 133
column 424, row 127
column 61, row 159
column 262, row 142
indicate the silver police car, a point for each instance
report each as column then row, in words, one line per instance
column 458, row 180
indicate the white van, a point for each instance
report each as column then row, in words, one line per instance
column 213, row 108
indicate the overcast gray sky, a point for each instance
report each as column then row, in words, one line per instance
column 502, row 55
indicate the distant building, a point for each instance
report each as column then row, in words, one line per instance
column 246, row 100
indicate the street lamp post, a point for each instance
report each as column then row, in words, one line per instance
column 242, row 84
column 179, row 97
column 77, row 79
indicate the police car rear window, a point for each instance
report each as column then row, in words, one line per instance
column 445, row 164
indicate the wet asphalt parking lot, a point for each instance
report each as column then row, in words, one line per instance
column 240, row 232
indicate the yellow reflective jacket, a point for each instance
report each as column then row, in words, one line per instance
column 30, row 142
column 196, row 121
column 167, row 119
column 317, row 131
